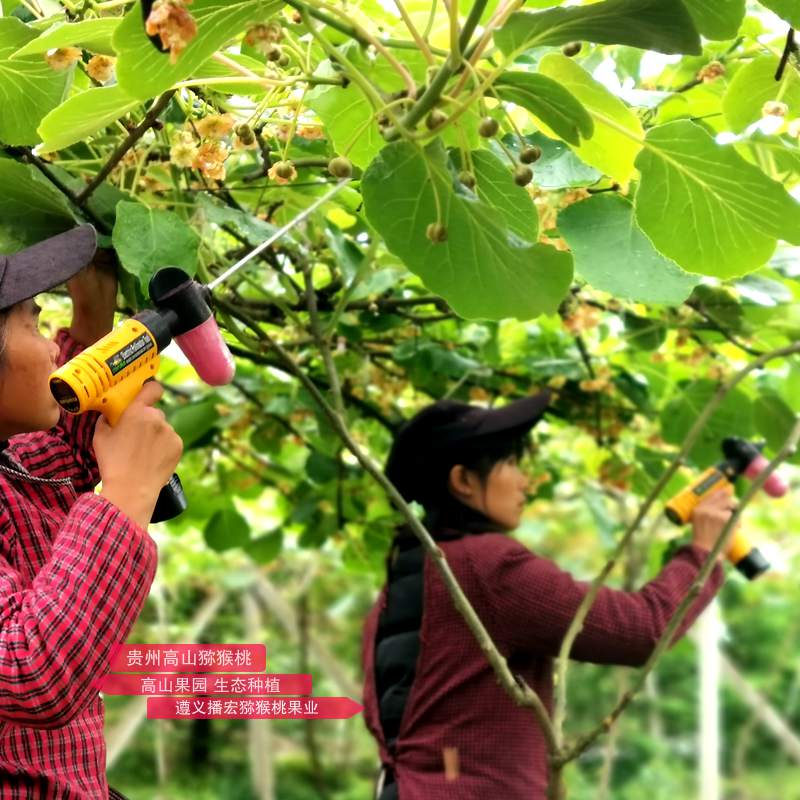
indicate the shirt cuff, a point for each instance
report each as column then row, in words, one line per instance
column 120, row 533
column 697, row 556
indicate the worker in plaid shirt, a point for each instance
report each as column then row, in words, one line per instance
column 444, row 726
column 75, row 566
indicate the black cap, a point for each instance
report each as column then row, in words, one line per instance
column 46, row 264
column 430, row 437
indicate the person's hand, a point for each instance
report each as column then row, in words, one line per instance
column 710, row 516
column 94, row 298
column 138, row 456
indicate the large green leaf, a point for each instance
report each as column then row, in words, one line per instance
column 147, row 239
column 549, row 102
column 788, row 9
column 227, row 528
column 265, row 548
column 145, row 72
column 84, row 114
column 194, row 420
column 613, row 255
column 773, row 419
column 716, row 19
column 347, row 116
column 733, row 417
column 13, row 35
column 252, row 228
column 29, row 86
column 662, row 25
column 484, row 269
column 511, row 202
column 617, row 130
column 31, row 209
column 91, row 34
column 753, row 85
column 705, row 207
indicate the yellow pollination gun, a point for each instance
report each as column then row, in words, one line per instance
column 107, row 375
column 741, row 458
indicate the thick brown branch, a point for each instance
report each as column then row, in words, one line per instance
column 130, row 140
column 700, row 309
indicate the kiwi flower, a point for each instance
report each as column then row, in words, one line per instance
column 184, row 150
column 62, row 57
column 215, row 126
column 170, row 20
column 101, row 68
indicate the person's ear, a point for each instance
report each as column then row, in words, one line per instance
column 459, row 481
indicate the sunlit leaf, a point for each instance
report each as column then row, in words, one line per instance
column 705, row 207
column 484, row 269
column 662, row 25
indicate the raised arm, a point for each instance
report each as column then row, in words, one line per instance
column 531, row 602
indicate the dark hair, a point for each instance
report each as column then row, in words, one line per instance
column 438, row 500
column 479, row 456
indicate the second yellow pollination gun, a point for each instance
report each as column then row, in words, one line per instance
column 741, row 458
column 107, row 375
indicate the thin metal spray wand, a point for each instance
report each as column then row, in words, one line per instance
column 277, row 235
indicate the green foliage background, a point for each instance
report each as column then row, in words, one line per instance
column 652, row 255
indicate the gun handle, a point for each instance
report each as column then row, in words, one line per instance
column 679, row 509
column 114, row 402
column 171, row 501
column 747, row 559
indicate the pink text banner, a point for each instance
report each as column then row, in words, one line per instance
column 189, row 658
column 240, row 708
column 204, row 683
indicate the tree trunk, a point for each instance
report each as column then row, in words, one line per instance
column 260, row 739
column 309, row 724
column 709, row 629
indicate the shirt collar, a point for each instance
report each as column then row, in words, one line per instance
column 453, row 519
column 450, row 520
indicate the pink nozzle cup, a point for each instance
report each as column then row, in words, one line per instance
column 208, row 353
column 774, row 486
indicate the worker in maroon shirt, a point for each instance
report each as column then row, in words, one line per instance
column 445, row 727
column 75, row 566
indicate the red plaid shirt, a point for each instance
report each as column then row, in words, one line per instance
column 526, row 603
column 75, row 572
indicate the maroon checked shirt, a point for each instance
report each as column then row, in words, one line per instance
column 75, row 572
column 526, row 603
